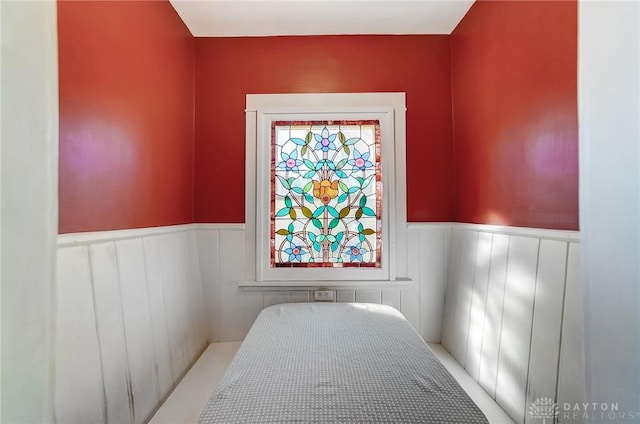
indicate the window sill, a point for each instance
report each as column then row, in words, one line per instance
column 316, row 285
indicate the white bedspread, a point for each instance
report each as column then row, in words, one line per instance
column 337, row 362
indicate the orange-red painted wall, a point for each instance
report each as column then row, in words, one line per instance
column 133, row 81
column 126, row 116
column 514, row 79
column 229, row 68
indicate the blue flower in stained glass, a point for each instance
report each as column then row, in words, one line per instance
column 325, row 140
column 295, row 252
column 290, row 161
column 355, row 252
column 360, row 160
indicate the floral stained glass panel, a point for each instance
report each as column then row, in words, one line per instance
column 326, row 194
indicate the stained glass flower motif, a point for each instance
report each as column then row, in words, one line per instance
column 290, row 161
column 355, row 252
column 325, row 140
column 360, row 161
column 295, row 252
column 326, row 194
column 325, row 190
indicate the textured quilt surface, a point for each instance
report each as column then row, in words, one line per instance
column 337, row 362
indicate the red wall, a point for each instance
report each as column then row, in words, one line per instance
column 126, row 116
column 229, row 68
column 127, row 136
column 514, row 78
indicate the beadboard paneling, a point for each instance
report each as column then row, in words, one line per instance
column 460, row 288
column 158, row 316
column 110, row 329
column 571, row 373
column 136, row 312
column 130, row 322
column 547, row 319
column 504, row 304
column 231, row 305
column 231, row 311
column 493, row 314
column 139, row 309
column 78, row 392
column 478, row 304
column 430, row 255
column 513, row 359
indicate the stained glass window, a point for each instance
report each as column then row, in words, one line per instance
column 326, row 194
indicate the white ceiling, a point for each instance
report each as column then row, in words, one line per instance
column 238, row 18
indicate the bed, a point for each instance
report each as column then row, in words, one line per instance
column 337, row 362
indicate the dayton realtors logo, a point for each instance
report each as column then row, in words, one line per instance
column 544, row 408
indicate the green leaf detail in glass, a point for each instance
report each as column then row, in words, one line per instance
column 283, row 212
column 368, row 212
column 363, row 201
column 284, row 182
column 326, row 178
column 318, row 212
column 366, row 182
column 307, row 212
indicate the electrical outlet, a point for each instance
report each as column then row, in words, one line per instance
column 324, row 296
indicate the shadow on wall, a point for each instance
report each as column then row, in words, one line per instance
column 503, row 312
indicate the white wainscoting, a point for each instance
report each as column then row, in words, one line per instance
column 135, row 309
column 231, row 310
column 508, row 294
column 130, row 322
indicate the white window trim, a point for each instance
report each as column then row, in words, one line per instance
column 261, row 108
